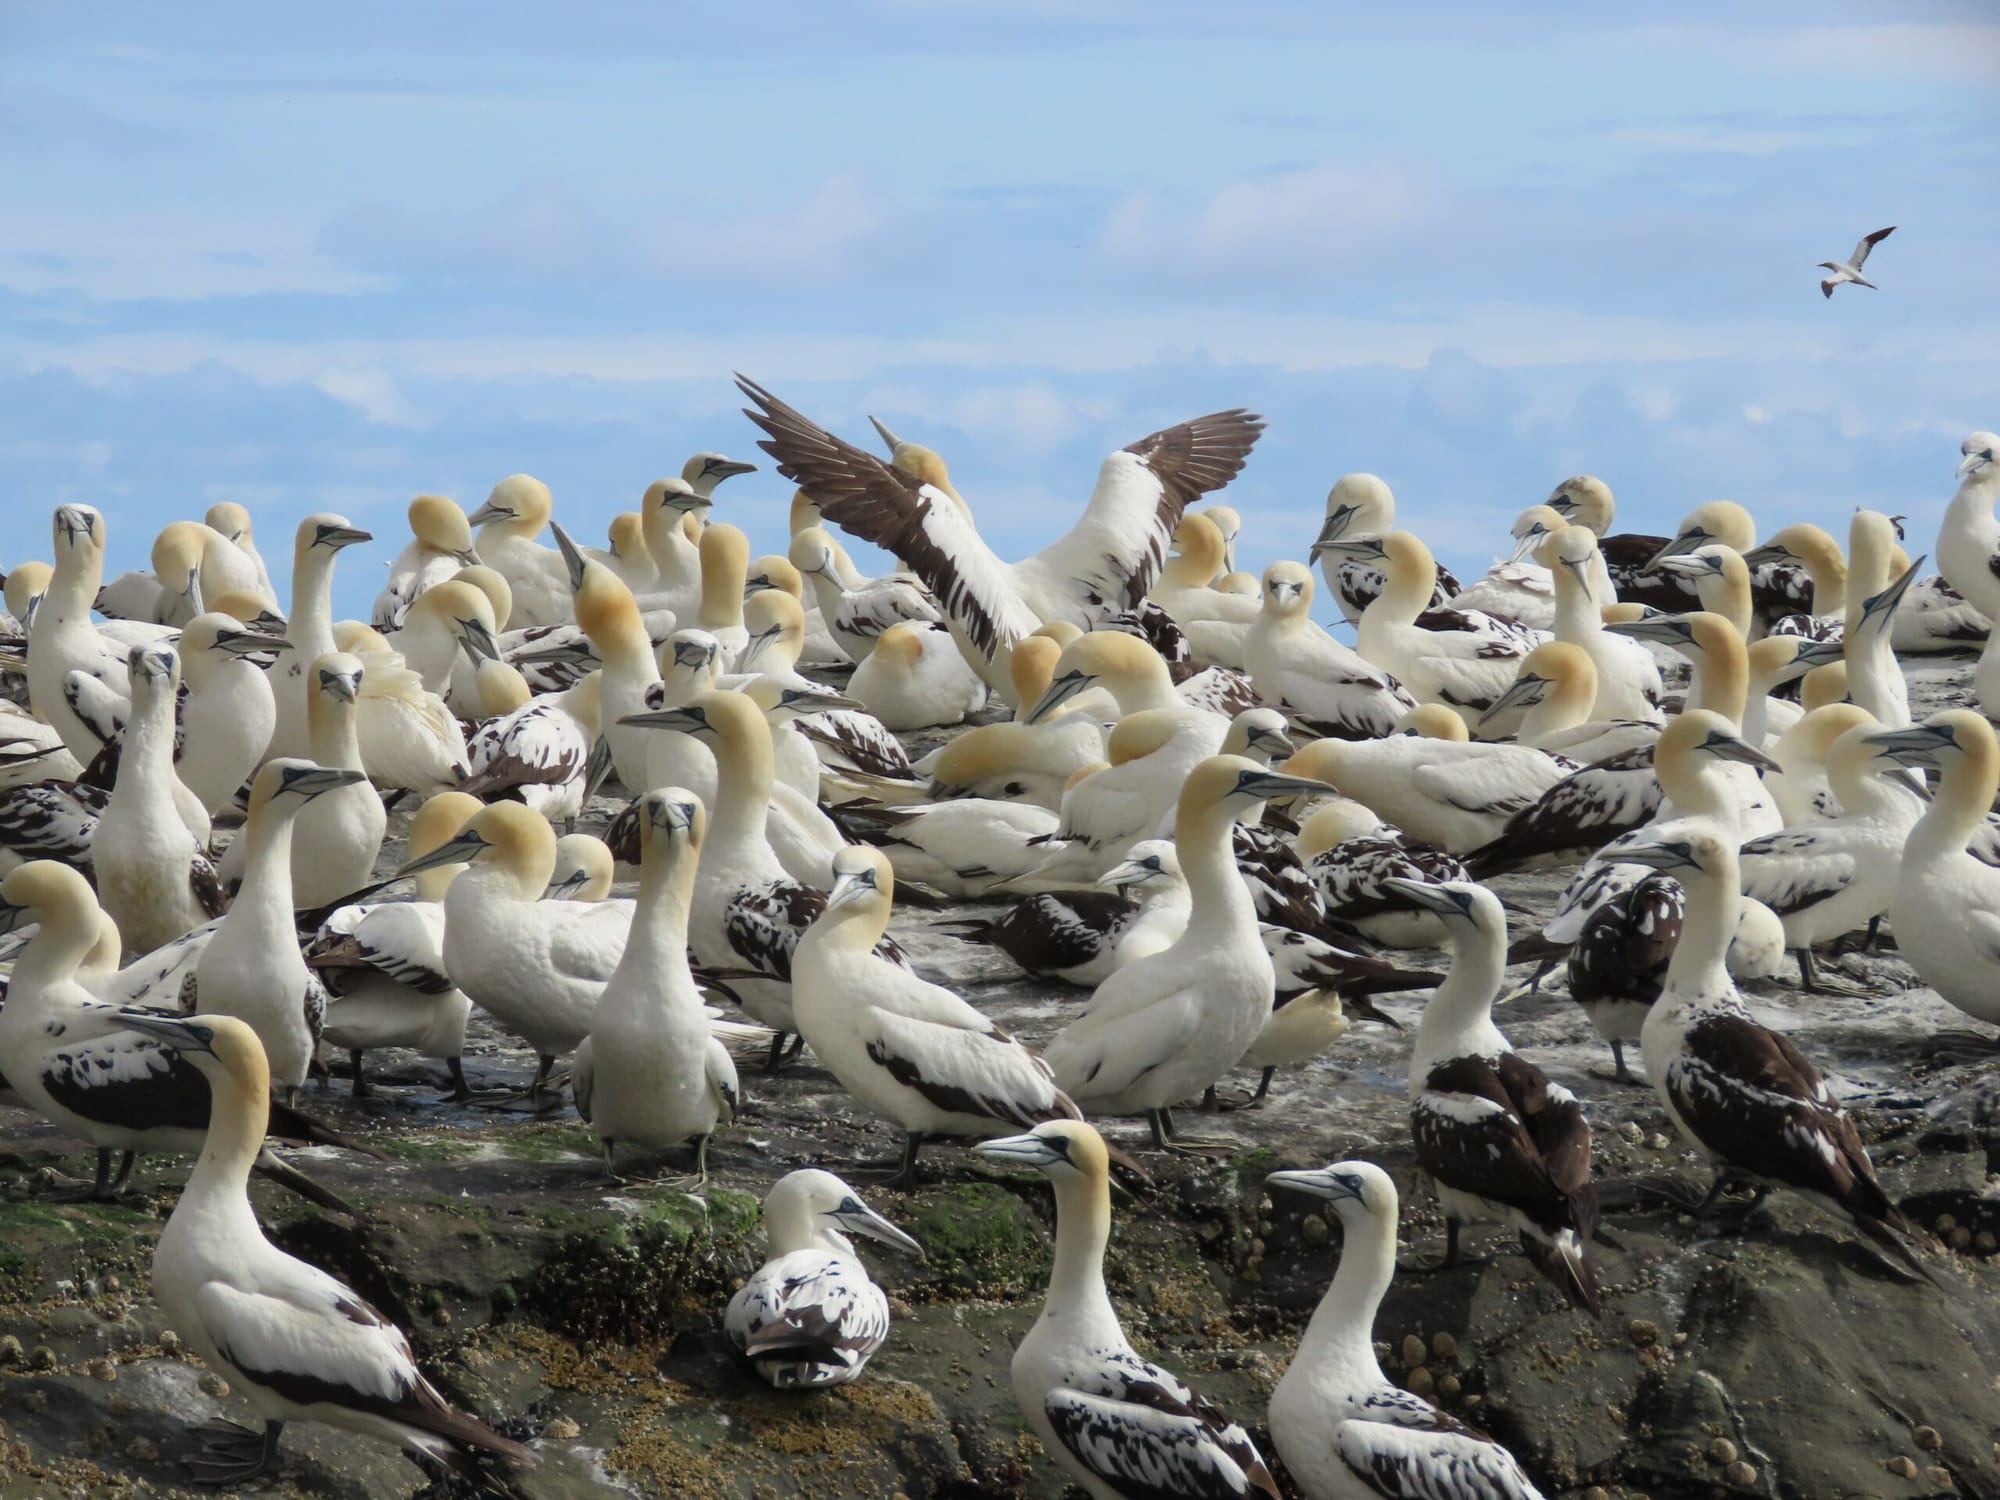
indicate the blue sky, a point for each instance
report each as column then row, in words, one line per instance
column 326, row 257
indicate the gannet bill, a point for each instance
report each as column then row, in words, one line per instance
column 1739, row 1093
column 152, row 874
column 649, row 1074
column 440, row 544
column 1360, row 506
column 1106, row 561
column 908, row 1050
column 1295, row 663
column 1496, row 1138
column 1849, row 270
column 810, row 1316
column 296, row 1343
column 1344, row 1430
column 510, row 520
column 1164, row 1028
column 1115, row 1422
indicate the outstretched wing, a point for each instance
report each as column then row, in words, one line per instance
column 918, row 522
column 1113, row 554
column 1869, row 242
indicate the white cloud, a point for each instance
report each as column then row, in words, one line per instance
column 372, row 391
column 111, row 260
column 1310, row 218
column 1945, row 49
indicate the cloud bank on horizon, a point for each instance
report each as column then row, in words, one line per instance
column 326, row 259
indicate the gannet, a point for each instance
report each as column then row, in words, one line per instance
column 1215, row 622
column 309, row 626
column 1083, row 937
column 810, row 1316
column 1874, row 677
column 191, row 561
column 1361, row 506
column 61, row 637
column 1132, row 672
column 251, row 967
column 1774, row 661
column 1018, row 762
column 585, row 869
column 1106, row 561
column 748, row 911
column 1618, row 963
column 510, row 520
column 1497, row 1140
column 1557, row 685
column 1946, row 910
column 152, row 873
column 1740, row 1094
column 1449, row 792
column 1831, row 876
column 536, row 966
column 974, row 846
column 440, row 544
column 1778, row 588
column 855, row 616
column 1116, row 1423
column 725, row 560
column 1800, row 786
column 75, row 1061
column 294, row 1342
column 338, row 836
column 908, row 1050
column 540, row 753
column 704, row 472
column 31, row 750
column 445, row 632
column 1968, row 543
column 1293, row 662
column 230, row 712
column 649, row 1074
column 1628, row 681
column 1167, row 1026
column 773, row 573
column 383, row 962
column 1516, row 587
column 1459, row 658
column 794, row 762
column 1351, row 854
column 676, row 558
column 1343, row 1429
column 50, row 820
column 1849, row 270
column 915, row 679
column 1821, row 557
column 233, row 521
column 625, row 553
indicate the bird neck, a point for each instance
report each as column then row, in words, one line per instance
column 722, row 579
column 1083, row 1229
column 1459, row 1013
column 743, row 781
column 1579, row 617
column 147, row 764
column 657, row 943
column 72, row 587
column 1875, row 678
column 310, row 629
column 1720, row 682
column 54, row 954
column 1409, row 582
column 1965, row 792
column 239, row 1111
column 1218, row 899
column 1728, row 594
column 855, row 927
column 1341, row 1331
column 1567, row 706
column 672, row 553
column 335, row 741
column 267, row 865
column 1700, row 961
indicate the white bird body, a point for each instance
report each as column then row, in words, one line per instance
column 1293, row 662
column 539, row 752
column 909, row 1051
column 914, row 678
column 230, row 713
column 338, row 835
column 1628, row 680
column 1114, row 1422
column 854, row 615
column 649, row 1073
column 251, row 968
column 1968, row 542
column 1343, row 1428
column 402, row 995
column 1215, row 622
column 810, row 1316
column 1946, row 909
column 62, row 639
column 152, row 874
column 1107, row 811
column 510, row 520
column 1166, row 1027
column 440, row 544
column 1516, row 588
column 1849, row 270
column 1014, row 762
column 968, row 846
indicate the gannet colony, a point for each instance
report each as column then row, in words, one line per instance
column 688, row 1018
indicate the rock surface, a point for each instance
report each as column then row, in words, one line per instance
column 1786, row 1360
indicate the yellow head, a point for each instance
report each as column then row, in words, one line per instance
column 439, row 524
